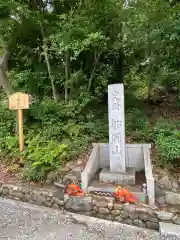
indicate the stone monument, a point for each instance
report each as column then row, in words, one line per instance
column 118, row 173
column 116, row 162
column 116, row 128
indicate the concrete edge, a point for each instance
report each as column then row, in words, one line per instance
column 169, row 231
column 125, row 227
column 128, row 145
column 91, row 167
column 149, row 175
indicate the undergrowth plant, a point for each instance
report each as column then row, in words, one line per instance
column 167, row 139
column 43, row 156
column 137, row 127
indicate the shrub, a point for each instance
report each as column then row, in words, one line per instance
column 136, row 83
column 137, row 125
column 168, row 149
column 163, row 126
column 167, row 139
column 7, row 120
column 9, row 147
column 43, row 156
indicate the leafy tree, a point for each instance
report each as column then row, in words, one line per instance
column 65, row 53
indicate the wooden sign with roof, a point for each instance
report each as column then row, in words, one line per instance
column 19, row 100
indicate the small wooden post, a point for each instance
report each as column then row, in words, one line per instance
column 19, row 101
column 20, row 128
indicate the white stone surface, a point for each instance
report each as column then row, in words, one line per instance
column 149, row 175
column 116, row 127
column 91, row 168
column 134, row 156
column 169, row 231
column 127, row 178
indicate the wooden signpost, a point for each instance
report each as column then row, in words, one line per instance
column 19, row 101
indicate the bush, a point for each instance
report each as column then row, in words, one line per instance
column 168, row 149
column 42, row 157
column 137, row 127
column 137, row 83
column 54, row 132
column 7, row 120
column 167, row 140
column 163, row 127
column 9, row 147
column 49, row 112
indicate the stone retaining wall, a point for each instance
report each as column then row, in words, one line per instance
column 96, row 206
column 128, row 214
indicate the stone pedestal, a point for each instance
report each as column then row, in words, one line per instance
column 122, row 178
column 96, row 186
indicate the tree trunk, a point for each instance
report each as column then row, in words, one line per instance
column 150, row 88
column 96, row 59
column 4, row 81
column 149, row 71
column 67, row 64
column 54, row 92
column 66, row 76
column 45, row 51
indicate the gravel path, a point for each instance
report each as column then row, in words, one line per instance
column 24, row 221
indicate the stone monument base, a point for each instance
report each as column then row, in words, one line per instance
column 137, row 156
column 96, row 186
column 122, row 178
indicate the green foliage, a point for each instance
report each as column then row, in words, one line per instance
column 164, row 127
column 9, row 147
column 177, row 101
column 137, row 83
column 137, row 125
column 167, row 139
column 168, row 149
column 28, row 81
column 43, row 156
column 7, row 120
column 65, row 54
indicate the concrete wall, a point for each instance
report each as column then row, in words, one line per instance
column 137, row 156
column 91, row 168
column 134, row 155
column 149, row 175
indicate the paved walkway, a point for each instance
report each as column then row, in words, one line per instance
column 23, row 221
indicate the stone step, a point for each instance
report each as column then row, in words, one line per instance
column 169, row 231
column 126, row 178
column 96, row 186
